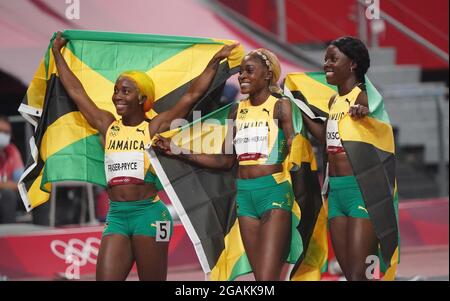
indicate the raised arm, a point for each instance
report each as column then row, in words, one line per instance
column 200, row 85
column 97, row 118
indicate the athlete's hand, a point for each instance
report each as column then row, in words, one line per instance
column 164, row 145
column 358, row 111
column 226, row 51
column 59, row 42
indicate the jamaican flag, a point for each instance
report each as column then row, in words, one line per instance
column 369, row 144
column 302, row 167
column 207, row 201
column 64, row 147
column 205, row 198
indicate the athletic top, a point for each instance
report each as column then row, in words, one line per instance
column 259, row 140
column 339, row 108
column 126, row 159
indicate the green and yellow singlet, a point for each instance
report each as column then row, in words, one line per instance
column 126, row 159
column 259, row 140
column 338, row 109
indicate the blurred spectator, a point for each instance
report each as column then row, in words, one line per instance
column 11, row 168
column 229, row 93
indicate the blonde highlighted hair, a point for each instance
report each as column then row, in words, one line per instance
column 273, row 64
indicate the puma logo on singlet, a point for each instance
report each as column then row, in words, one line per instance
column 267, row 111
column 346, row 100
column 142, row 131
column 277, row 204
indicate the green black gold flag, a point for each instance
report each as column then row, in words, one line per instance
column 369, row 144
column 64, row 146
column 206, row 198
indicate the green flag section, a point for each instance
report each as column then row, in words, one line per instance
column 369, row 144
column 64, row 147
column 206, row 198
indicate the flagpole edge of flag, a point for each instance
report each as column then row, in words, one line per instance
column 24, row 196
column 28, row 112
column 20, row 185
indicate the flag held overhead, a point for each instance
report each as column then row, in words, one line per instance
column 63, row 137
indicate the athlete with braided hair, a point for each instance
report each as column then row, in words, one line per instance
column 135, row 209
column 262, row 135
column 352, row 234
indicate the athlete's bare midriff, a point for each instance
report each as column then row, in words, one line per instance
column 256, row 171
column 131, row 192
column 339, row 166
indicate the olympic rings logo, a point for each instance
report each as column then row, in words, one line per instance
column 77, row 251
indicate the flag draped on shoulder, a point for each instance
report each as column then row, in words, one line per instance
column 369, row 144
column 313, row 225
column 206, row 198
column 64, row 147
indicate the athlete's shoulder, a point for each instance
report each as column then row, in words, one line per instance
column 331, row 100
column 362, row 98
column 115, row 122
column 283, row 99
column 233, row 110
column 282, row 102
column 243, row 100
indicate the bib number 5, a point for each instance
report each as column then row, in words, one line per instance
column 163, row 231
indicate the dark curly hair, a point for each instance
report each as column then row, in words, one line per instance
column 355, row 49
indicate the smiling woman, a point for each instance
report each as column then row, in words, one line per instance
column 351, row 222
column 136, row 214
column 262, row 135
column 135, row 81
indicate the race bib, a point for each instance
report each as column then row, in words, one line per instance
column 252, row 143
column 124, row 168
column 334, row 143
